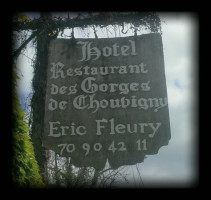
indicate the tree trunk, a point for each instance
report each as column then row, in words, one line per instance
column 38, row 100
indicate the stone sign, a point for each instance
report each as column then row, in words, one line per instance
column 106, row 99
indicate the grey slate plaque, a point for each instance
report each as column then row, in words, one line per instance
column 106, row 99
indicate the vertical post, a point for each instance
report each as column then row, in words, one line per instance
column 95, row 178
column 56, row 170
column 38, row 99
column 69, row 173
column 46, row 176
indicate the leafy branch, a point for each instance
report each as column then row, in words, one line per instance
column 150, row 20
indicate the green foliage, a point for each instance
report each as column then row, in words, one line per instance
column 25, row 170
column 21, row 17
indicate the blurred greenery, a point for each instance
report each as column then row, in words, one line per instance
column 25, row 170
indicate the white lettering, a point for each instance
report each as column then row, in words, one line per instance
column 94, row 53
column 99, row 126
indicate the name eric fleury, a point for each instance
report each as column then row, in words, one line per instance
column 57, row 130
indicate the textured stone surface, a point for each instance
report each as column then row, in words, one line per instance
column 109, row 94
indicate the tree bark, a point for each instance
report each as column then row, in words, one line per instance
column 38, row 101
